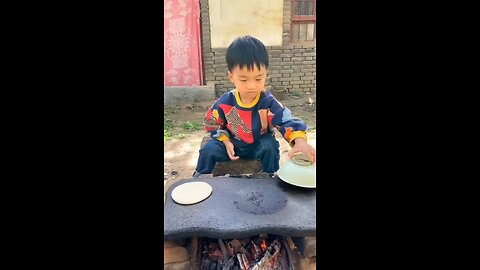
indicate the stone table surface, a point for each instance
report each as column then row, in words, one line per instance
column 240, row 207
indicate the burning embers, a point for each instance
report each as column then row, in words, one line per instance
column 255, row 253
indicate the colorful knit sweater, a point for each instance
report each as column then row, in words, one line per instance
column 244, row 124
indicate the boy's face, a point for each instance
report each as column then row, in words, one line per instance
column 249, row 83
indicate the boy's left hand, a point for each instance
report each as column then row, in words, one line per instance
column 301, row 145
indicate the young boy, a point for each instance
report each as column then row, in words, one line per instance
column 242, row 120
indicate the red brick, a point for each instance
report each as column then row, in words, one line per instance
column 178, row 266
column 175, row 254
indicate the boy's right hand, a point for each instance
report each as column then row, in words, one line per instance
column 230, row 152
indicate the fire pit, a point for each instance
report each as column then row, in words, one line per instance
column 240, row 208
column 265, row 252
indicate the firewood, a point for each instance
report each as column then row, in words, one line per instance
column 283, row 259
column 291, row 258
column 224, row 251
column 237, row 245
column 229, row 265
column 230, row 249
column 280, row 254
column 258, row 251
column 272, row 250
column 277, row 263
column 245, row 241
column 291, row 244
column 274, row 260
column 245, row 261
column 240, row 261
column 205, row 265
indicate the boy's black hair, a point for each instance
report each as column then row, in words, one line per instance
column 245, row 51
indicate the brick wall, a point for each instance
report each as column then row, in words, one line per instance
column 291, row 67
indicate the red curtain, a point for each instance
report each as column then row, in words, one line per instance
column 182, row 50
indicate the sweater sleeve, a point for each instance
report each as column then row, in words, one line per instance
column 215, row 122
column 290, row 127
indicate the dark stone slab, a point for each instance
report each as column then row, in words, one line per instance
column 241, row 208
column 237, row 167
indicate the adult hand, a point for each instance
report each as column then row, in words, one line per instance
column 302, row 146
column 230, row 151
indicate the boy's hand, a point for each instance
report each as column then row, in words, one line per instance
column 302, row 146
column 230, row 152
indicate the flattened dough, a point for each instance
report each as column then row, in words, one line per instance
column 191, row 193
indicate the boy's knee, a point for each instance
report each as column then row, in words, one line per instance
column 213, row 147
column 272, row 143
column 269, row 145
